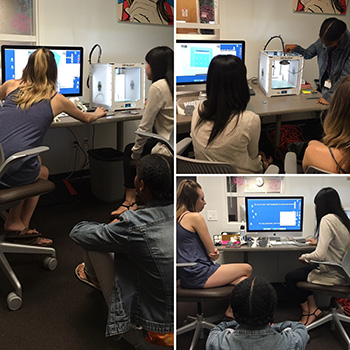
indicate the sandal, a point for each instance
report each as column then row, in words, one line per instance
column 21, row 234
column 315, row 316
column 85, row 278
column 307, row 319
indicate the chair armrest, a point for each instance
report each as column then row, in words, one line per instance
column 182, row 145
column 272, row 169
column 335, row 266
column 290, row 163
column 20, row 155
column 186, row 264
column 157, row 137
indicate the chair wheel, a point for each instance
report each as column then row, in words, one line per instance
column 50, row 263
column 14, row 302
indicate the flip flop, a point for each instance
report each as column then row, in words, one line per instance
column 86, row 279
column 21, row 234
column 37, row 241
column 115, row 216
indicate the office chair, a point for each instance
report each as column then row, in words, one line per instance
column 291, row 166
column 10, row 197
column 334, row 292
column 158, row 137
column 199, row 322
column 186, row 165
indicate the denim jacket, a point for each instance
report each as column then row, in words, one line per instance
column 143, row 243
column 340, row 66
column 281, row 336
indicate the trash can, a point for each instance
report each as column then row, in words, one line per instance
column 106, row 174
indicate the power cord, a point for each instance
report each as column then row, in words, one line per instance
column 98, row 60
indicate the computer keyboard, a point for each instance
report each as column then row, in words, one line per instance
column 193, row 103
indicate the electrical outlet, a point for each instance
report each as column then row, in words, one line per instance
column 212, row 215
column 75, row 144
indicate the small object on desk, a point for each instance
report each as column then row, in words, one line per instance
column 312, row 97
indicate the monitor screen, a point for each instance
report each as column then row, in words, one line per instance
column 192, row 58
column 274, row 215
column 69, row 65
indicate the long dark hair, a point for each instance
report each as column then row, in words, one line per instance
column 227, row 93
column 327, row 201
column 161, row 61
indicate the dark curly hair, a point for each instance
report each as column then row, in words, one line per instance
column 253, row 302
column 157, row 173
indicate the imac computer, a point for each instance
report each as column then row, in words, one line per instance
column 274, row 216
column 69, row 65
column 192, row 59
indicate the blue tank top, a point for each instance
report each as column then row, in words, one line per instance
column 191, row 249
column 21, row 130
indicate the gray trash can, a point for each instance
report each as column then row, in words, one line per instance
column 106, row 174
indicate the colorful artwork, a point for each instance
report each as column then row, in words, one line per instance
column 337, row 7
column 146, row 11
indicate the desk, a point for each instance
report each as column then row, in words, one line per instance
column 116, row 117
column 265, row 106
column 272, row 263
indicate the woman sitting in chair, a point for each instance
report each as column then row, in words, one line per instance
column 159, row 114
column 333, row 232
column 222, row 129
column 30, row 105
column 194, row 244
column 333, row 153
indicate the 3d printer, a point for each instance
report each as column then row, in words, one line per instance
column 118, row 86
column 279, row 74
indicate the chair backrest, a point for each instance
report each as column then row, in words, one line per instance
column 315, row 170
column 158, row 137
column 346, row 265
column 186, row 165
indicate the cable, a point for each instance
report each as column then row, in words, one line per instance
column 273, row 37
column 86, row 161
column 289, row 134
column 89, row 60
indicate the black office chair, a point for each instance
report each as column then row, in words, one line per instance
column 199, row 322
column 334, row 292
column 9, row 198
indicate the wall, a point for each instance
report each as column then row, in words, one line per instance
column 257, row 21
column 85, row 23
column 215, row 194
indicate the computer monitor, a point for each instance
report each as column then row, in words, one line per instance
column 192, row 59
column 274, row 216
column 69, row 65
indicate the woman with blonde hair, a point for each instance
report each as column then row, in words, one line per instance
column 194, row 244
column 333, row 153
column 30, row 105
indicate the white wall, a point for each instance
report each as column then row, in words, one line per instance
column 257, row 21
column 85, row 23
column 214, row 188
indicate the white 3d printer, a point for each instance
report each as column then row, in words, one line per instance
column 118, row 86
column 280, row 74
